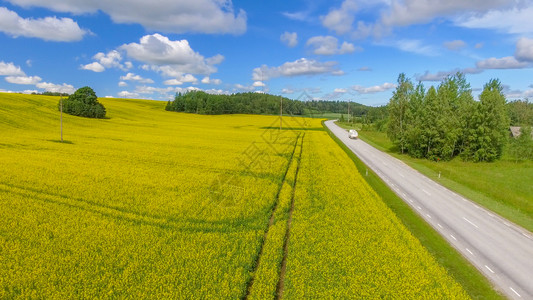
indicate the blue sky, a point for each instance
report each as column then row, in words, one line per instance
column 336, row 50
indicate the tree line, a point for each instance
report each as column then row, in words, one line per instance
column 259, row 103
column 445, row 121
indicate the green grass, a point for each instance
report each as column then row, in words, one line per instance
column 503, row 186
column 476, row 285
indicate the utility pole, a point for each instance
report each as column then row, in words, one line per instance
column 280, row 111
column 61, row 116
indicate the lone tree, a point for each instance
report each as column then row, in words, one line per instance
column 84, row 103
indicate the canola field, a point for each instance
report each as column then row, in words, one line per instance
column 155, row 204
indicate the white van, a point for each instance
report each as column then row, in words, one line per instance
column 353, row 134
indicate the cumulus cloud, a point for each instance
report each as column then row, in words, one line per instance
column 48, row 29
column 454, row 45
column 207, row 80
column 56, row 88
column 172, row 58
column 373, row 89
column 110, row 60
column 173, row 16
column 328, row 45
column 94, row 66
column 134, row 77
column 289, row 38
column 506, row 15
column 122, row 84
column 524, row 49
column 508, row 62
column 364, row 69
column 33, row 80
column 299, row 67
column 515, row 20
column 187, row 78
column 439, row 76
column 340, row 20
column 126, row 94
column 9, row 69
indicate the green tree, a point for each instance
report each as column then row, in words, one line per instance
column 84, row 103
column 490, row 125
column 398, row 112
column 521, row 148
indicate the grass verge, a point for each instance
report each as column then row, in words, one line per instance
column 476, row 285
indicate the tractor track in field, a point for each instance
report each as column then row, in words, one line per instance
column 281, row 283
column 271, row 219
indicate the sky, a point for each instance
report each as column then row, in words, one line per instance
column 346, row 50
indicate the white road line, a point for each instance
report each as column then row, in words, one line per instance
column 490, row 214
column 409, row 200
column 401, row 175
column 469, row 251
column 489, row 269
column 507, row 224
column 526, row 235
column 392, row 184
column 404, row 194
column 515, row 292
column 419, row 207
column 464, row 199
column 426, row 192
column 428, row 216
column 453, row 237
column 470, row 222
column 439, row 225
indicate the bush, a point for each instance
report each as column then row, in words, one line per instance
column 84, row 103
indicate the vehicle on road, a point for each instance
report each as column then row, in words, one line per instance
column 353, row 134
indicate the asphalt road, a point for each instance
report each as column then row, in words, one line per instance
column 499, row 249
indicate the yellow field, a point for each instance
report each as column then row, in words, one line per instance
column 157, row 204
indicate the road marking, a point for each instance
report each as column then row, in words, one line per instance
column 489, row 269
column 419, row 207
column 428, row 216
column 470, row 222
column 409, row 200
column 384, row 163
column 507, row 224
column 453, row 237
column 439, row 225
column 515, row 292
column 426, row 192
column 392, row 184
column 464, row 199
column 490, row 214
column 526, row 235
column 401, row 175
column 404, row 194
column 470, row 252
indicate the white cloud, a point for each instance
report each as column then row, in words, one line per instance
column 287, row 91
column 411, row 12
column 48, row 29
column 340, row 91
column 454, row 45
column 95, row 67
column 524, row 49
column 9, row 69
column 151, row 90
column 364, row 69
column 244, row 88
column 132, row 77
column 170, row 57
column 28, row 62
column 508, row 62
column 258, row 84
column 516, row 20
column 172, row 82
column 33, row 80
column 299, row 67
column 328, row 45
column 207, row 80
column 126, row 94
column 414, row 46
column 439, row 76
column 173, row 16
column 373, row 89
column 479, row 45
column 56, row 88
column 122, row 84
column 340, row 20
column 289, row 38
